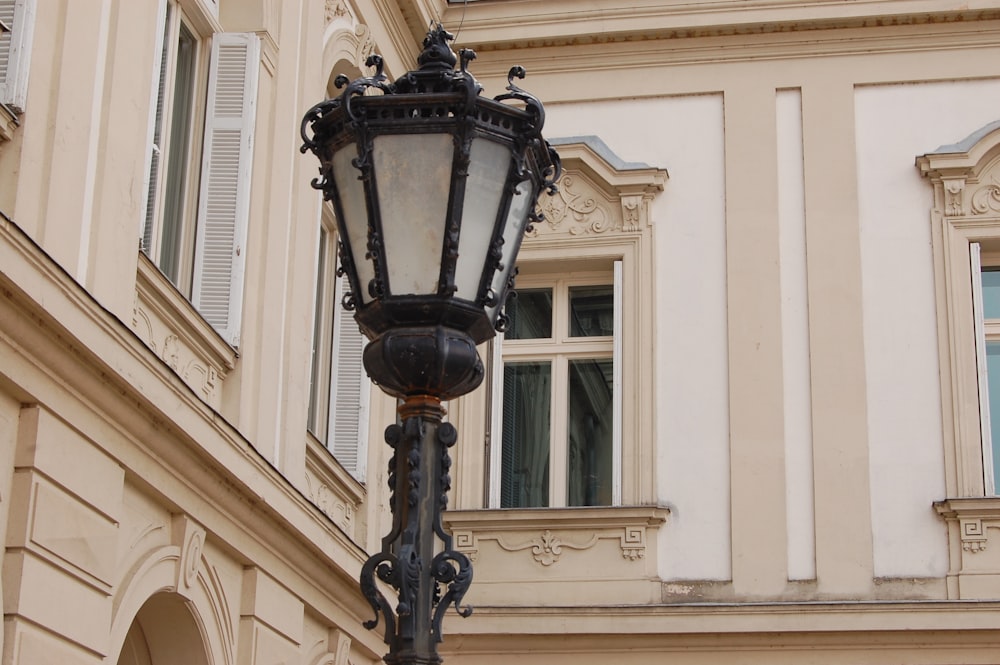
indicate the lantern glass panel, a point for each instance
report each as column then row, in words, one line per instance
column 517, row 217
column 484, row 188
column 413, row 173
column 354, row 215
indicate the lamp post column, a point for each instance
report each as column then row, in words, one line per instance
column 428, row 577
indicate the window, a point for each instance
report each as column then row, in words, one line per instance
column 201, row 143
column 15, row 50
column 340, row 389
column 170, row 199
column 986, row 310
column 567, row 411
column 558, row 394
column 966, row 236
column 965, row 223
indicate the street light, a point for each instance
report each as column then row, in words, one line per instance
column 433, row 188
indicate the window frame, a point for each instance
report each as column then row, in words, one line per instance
column 602, row 213
column 559, row 349
column 335, row 337
column 965, row 213
column 163, row 156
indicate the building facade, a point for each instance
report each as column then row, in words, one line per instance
column 743, row 412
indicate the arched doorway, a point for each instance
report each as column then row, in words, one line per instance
column 164, row 632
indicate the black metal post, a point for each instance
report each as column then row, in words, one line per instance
column 427, row 578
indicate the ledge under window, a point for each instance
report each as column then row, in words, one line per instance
column 8, row 122
column 171, row 327
column 570, row 556
column 974, row 546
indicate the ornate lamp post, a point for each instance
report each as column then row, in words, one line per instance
column 433, row 188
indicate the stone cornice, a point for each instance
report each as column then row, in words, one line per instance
column 552, row 61
column 696, row 623
column 488, row 25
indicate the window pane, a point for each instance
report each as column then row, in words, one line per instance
column 524, row 473
column 591, row 417
column 318, row 374
column 993, row 381
column 530, row 315
column 592, row 311
column 991, row 293
column 177, row 159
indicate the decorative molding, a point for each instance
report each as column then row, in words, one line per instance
column 973, row 535
column 633, row 543
column 346, row 39
column 547, row 548
column 189, row 537
column 169, row 325
column 975, row 565
column 336, row 493
column 574, row 556
column 986, row 199
column 599, row 193
column 517, row 530
column 8, row 123
column 336, row 9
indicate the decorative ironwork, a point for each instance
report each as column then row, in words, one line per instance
column 423, row 344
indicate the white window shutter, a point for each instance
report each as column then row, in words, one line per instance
column 350, row 391
column 985, row 426
column 224, row 199
column 15, row 51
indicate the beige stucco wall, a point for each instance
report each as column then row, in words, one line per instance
column 789, row 390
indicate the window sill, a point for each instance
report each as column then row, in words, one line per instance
column 170, row 326
column 572, row 556
column 974, row 546
column 332, row 489
column 8, row 123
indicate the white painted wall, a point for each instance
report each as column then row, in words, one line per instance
column 800, row 502
column 685, row 136
column 895, row 124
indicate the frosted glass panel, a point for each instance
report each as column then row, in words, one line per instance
column 352, row 200
column 488, row 169
column 520, row 205
column 414, row 178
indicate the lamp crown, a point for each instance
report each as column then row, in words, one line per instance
column 437, row 54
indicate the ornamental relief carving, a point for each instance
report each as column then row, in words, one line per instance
column 974, row 536
column 986, row 199
column 954, row 193
column 193, row 370
column 335, row 9
column 578, row 208
column 547, row 548
column 329, row 503
column 353, row 40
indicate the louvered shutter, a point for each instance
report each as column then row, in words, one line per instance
column 224, row 199
column 349, row 393
column 15, row 51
